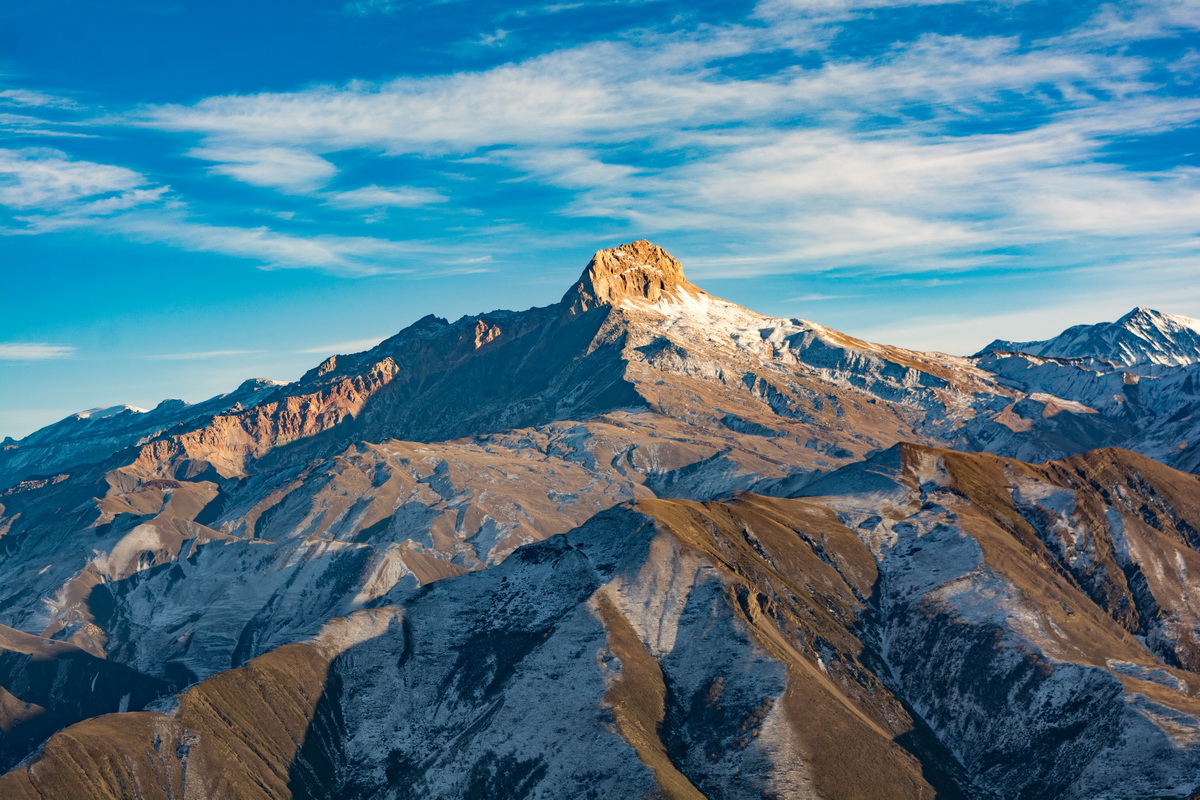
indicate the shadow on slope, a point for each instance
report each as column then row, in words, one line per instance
column 47, row 685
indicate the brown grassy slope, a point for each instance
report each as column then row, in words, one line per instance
column 47, row 685
column 637, row 697
column 1159, row 512
column 794, row 578
column 233, row 735
column 797, row 579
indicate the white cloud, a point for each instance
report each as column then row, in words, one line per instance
column 30, row 98
column 288, row 170
column 568, row 167
column 348, row 255
column 1113, row 204
column 124, row 201
column 444, row 114
column 61, row 193
column 816, row 298
column 609, row 92
column 495, row 39
column 26, row 125
column 385, row 196
column 825, row 6
column 34, row 351
column 1135, row 20
column 365, row 8
column 890, row 161
column 35, row 178
column 825, row 197
column 838, row 11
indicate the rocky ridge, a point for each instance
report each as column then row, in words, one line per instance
column 181, row 552
column 1143, row 338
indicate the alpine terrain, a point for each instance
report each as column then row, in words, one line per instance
column 643, row 542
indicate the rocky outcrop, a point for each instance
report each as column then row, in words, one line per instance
column 635, row 271
column 92, row 437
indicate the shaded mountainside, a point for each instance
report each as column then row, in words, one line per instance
column 47, row 685
column 933, row 624
column 191, row 545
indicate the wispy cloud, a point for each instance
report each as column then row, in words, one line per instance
column 281, row 168
column 366, row 8
column 496, row 38
column 36, row 178
column 840, row 190
column 929, row 153
column 347, row 255
column 35, row 99
column 385, row 196
column 613, row 91
column 26, row 125
column 816, row 298
column 1136, row 20
column 34, row 351
column 55, row 192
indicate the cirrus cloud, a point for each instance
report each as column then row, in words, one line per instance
column 35, row 351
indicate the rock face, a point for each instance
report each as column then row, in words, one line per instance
column 636, row 271
column 398, row 488
column 1142, row 338
column 92, row 436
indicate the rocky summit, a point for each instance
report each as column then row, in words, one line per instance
column 640, row 543
column 638, row 271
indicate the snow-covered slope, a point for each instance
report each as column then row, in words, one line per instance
column 933, row 624
column 1140, row 338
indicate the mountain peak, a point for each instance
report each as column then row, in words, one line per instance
column 1141, row 312
column 638, row 270
column 1142, row 337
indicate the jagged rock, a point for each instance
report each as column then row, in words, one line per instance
column 635, row 271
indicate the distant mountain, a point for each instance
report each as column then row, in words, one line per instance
column 95, row 434
column 1141, row 337
column 183, row 543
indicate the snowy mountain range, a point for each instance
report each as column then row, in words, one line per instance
column 640, row 541
column 1140, row 338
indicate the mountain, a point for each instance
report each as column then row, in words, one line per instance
column 97, row 433
column 944, row 624
column 294, row 528
column 1141, row 338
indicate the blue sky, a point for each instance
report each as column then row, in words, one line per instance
column 196, row 193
